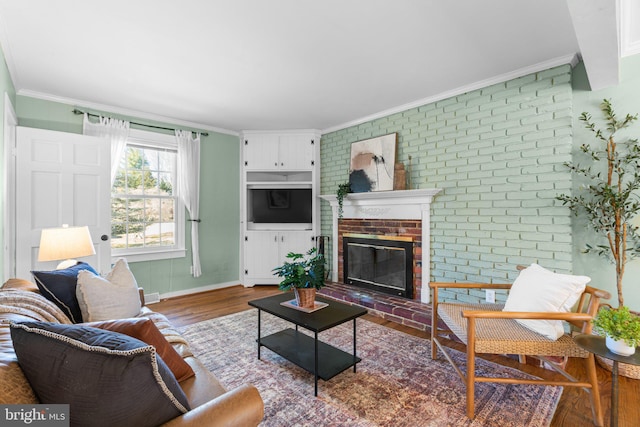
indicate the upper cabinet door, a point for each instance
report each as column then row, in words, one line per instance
column 260, row 152
column 268, row 152
column 296, row 152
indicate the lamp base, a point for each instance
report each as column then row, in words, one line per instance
column 66, row 264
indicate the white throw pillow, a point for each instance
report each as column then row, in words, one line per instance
column 540, row 290
column 114, row 296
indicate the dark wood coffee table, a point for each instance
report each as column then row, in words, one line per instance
column 319, row 358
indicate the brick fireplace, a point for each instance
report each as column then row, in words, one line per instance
column 404, row 213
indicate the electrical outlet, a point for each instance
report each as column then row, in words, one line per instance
column 490, row 296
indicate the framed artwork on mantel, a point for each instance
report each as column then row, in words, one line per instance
column 372, row 164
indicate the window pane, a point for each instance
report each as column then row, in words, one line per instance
column 134, row 182
column 135, row 158
column 168, row 222
column 166, row 161
column 150, row 159
column 118, row 234
column 165, row 185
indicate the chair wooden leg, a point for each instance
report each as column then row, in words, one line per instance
column 595, row 390
column 471, row 368
column 434, row 324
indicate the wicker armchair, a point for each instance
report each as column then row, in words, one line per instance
column 485, row 328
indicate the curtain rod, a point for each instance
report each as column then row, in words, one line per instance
column 76, row 111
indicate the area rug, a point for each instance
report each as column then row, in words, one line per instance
column 396, row 384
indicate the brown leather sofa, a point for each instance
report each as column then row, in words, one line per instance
column 211, row 404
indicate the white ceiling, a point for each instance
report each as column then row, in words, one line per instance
column 293, row 64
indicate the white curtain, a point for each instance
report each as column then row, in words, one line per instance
column 189, row 188
column 116, row 130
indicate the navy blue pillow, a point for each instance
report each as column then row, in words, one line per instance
column 59, row 286
column 107, row 378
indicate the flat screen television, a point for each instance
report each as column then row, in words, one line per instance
column 280, row 205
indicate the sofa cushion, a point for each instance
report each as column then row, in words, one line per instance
column 106, row 377
column 145, row 330
column 59, row 286
column 114, row 296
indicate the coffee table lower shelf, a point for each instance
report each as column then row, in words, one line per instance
column 299, row 348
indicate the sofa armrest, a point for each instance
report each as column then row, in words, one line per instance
column 242, row 406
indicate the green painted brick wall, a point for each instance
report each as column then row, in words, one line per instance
column 497, row 153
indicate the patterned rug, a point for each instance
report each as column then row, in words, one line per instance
column 396, row 384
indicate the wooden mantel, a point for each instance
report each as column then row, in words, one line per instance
column 399, row 204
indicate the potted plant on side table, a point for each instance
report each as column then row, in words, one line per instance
column 621, row 327
column 304, row 274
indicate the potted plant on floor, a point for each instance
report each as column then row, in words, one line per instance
column 304, row 274
column 621, row 327
column 609, row 198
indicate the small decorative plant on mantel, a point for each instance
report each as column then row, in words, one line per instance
column 343, row 190
column 304, row 274
column 621, row 327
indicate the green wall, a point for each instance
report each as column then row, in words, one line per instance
column 219, row 203
column 6, row 86
column 625, row 98
column 497, row 153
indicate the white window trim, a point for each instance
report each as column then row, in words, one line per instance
column 153, row 139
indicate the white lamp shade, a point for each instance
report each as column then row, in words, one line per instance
column 65, row 243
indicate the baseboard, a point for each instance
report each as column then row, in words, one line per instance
column 152, row 298
column 193, row 290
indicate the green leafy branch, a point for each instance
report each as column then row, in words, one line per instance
column 610, row 201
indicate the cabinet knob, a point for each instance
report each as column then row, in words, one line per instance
column 275, row 164
column 104, row 237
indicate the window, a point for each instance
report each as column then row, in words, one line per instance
column 146, row 213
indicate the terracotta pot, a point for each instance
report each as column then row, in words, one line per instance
column 305, row 297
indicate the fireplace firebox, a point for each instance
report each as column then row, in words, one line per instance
column 382, row 263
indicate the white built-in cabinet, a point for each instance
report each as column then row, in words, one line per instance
column 286, row 161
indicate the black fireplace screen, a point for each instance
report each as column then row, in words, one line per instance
column 379, row 264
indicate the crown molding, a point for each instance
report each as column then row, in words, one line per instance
column 541, row 66
column 123, row 111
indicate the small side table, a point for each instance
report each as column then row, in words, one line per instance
column 596, row 345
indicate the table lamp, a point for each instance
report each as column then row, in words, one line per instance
column 65, row 243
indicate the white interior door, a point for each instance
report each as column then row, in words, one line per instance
column 9, row 190
column 61, row 178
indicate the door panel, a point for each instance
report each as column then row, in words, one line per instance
column 61, row 178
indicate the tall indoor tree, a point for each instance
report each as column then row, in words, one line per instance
column 609, row 199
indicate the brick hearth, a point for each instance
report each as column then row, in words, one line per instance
column 407, row 312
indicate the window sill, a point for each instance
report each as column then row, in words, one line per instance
column 133, row 256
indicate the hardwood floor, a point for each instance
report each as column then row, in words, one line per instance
column 573, row 409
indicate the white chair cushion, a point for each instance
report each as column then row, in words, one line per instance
column 114, row 296
column 540, row 290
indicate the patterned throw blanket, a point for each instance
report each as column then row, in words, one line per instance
column 39, row 308
column 31, row 304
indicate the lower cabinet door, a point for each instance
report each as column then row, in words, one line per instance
column 266, row 250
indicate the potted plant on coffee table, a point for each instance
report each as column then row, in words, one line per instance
column 621, row 327
column 304, row 274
